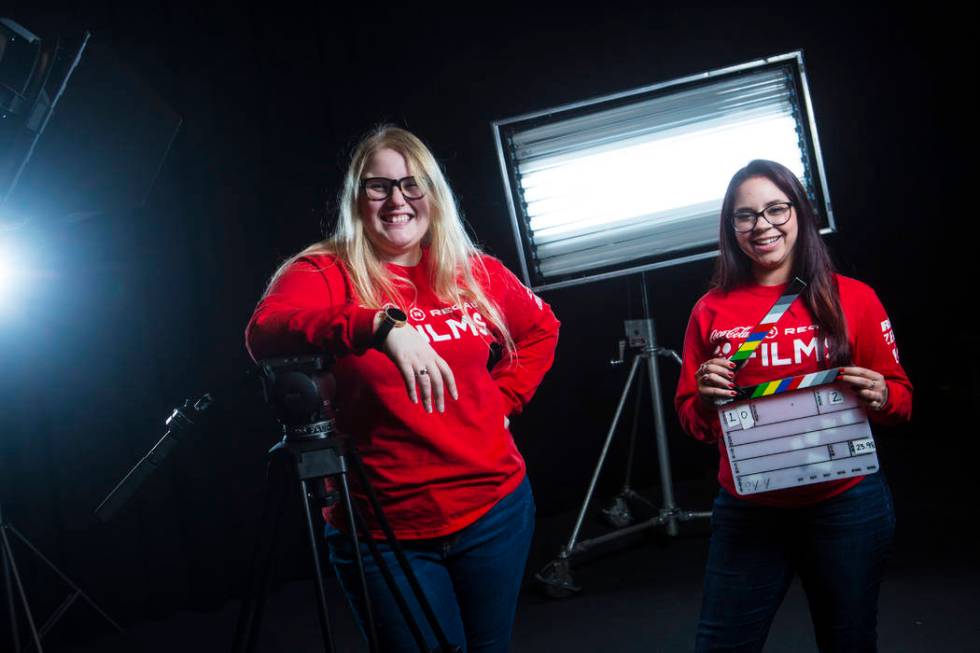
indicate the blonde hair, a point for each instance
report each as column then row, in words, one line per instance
column 451, row 252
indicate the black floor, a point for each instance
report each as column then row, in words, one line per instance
column 640, row 595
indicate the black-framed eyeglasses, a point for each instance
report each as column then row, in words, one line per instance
column 775, row 214
column 380, row 188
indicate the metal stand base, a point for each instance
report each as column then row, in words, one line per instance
column 12, row 578
column 555, row 578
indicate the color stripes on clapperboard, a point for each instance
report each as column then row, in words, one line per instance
column 751, row 343
column 788, row 384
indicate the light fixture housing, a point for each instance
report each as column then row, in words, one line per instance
column 634, row 181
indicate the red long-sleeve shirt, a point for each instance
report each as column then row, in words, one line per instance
column 435, row 473
column 720, row 322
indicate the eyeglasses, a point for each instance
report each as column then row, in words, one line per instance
column 775, row 214
column 380, row 188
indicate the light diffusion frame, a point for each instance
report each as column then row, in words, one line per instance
column 633, row 181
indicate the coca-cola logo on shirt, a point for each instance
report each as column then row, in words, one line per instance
column 738, row 333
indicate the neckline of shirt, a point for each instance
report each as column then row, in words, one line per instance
column 411, row 268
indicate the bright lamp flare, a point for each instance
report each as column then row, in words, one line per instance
column 652, row 177
column 12, row 279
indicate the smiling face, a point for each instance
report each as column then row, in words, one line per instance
column 397, row 225
column 769, row 248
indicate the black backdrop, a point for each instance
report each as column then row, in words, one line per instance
column 137, row 311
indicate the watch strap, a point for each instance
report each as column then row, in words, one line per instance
column 391, row 317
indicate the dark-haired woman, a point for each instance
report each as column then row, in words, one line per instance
column 834, row 535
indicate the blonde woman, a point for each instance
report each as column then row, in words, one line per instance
column 409, row 308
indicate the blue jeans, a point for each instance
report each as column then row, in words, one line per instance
column 838, row 547
column 471, row 578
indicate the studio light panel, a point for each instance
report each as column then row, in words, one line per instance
column 615, row 184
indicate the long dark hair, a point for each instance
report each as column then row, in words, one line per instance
column 811, row 261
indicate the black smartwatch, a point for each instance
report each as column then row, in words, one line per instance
column 391, row 318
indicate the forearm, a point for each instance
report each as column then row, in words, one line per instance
column 309, row 308
column 277, row 330
column 898, row 405
column 696, row 417
column 876, row 349
column 518, row 375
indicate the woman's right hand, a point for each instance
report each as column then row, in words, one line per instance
column 420, row 365
column 716, row 380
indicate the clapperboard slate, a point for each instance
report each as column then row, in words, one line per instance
column 794, row 431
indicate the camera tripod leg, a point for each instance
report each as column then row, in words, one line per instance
column 321, row 595
column 355, row 522
column 403, row 562
column 396, row 592
column 250, row 614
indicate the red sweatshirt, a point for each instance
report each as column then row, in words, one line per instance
column 720, row 322
column 435, row 473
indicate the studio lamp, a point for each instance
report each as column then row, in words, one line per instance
column 630, row 182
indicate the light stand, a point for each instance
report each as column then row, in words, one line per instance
column 12, row 578
column 555, row 577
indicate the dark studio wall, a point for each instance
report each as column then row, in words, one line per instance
column 146, row 309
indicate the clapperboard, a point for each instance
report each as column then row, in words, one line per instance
column 794, row 431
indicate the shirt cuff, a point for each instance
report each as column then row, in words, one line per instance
column 707, row 413
column 362, row 327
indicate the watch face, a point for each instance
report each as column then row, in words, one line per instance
column 396, row 314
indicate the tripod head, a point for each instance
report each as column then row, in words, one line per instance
column 300, row 390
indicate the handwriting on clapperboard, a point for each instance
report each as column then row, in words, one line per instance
column 796, row 438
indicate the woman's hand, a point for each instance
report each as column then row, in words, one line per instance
column 869, row 385
column 716, row 380
column 420, row 364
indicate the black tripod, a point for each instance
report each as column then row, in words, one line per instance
column 310, row 452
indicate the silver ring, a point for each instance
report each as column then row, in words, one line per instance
column 422, row 372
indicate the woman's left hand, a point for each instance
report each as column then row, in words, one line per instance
column 869, row 385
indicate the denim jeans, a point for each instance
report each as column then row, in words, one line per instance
column 838, row 547
column 471, row 578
